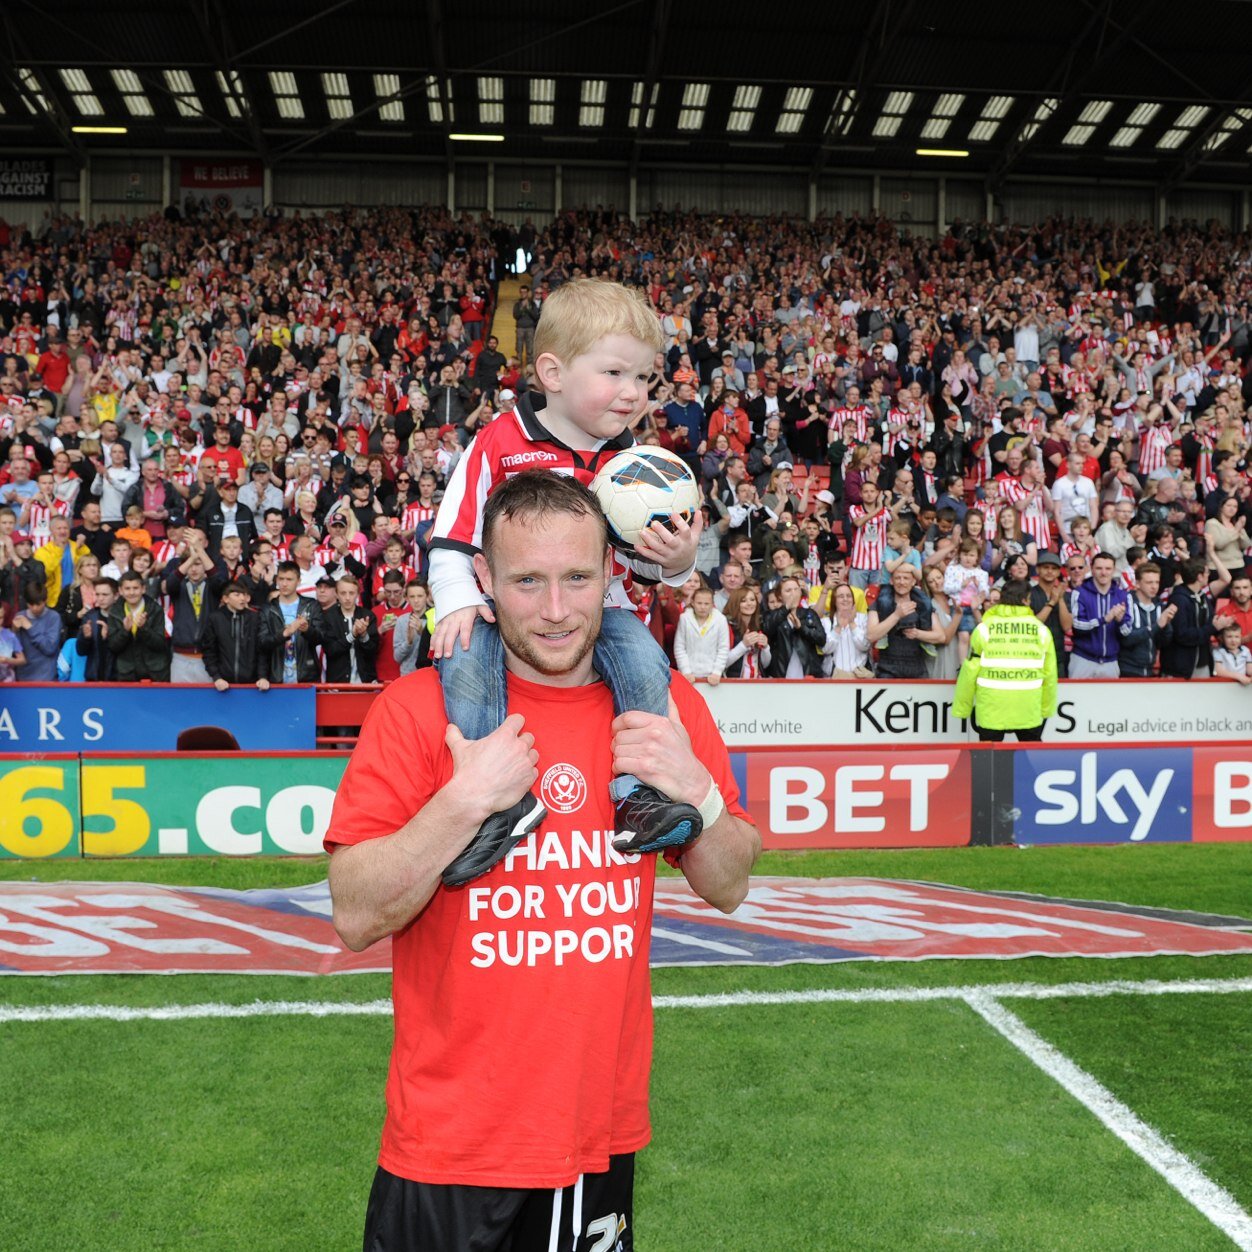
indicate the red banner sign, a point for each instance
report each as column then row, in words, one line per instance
column 832, row 799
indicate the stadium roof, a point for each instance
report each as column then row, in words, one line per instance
column 1078, row 87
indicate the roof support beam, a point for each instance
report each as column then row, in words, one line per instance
column 59, row 120
column 439, row 57
column 1196, row 154
column 661, row 10
column 870, row 55
column 1063, row 86
column 209, row 14
column 305, row 141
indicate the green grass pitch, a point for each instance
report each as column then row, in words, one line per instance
column 894, row 1125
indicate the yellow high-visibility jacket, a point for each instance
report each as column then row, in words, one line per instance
column 1010, row 671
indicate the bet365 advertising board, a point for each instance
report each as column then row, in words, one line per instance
column 279, row 804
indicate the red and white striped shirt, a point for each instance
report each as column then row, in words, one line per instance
column 988, row 509
column 1037, row 518
column 897, row 430
column 863, row 416
column 416, row 515
column 39, row 523
column 382, row 570
column 1154, row 442
column 868, row 541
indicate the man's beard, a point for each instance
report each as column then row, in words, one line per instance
column 518, row 641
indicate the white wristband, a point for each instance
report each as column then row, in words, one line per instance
column 712, row 807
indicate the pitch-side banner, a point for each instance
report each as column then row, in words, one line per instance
column 106, row 717
column 175, row 805
column 818, row 713
column 127, row 928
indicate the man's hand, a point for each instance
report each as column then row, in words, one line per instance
column 457, row 626
column 360, row 627
column 657, row 750
column 262, row 684
column 221, row 684
column 499, row 769
column 1168, row 614
column 673, row 550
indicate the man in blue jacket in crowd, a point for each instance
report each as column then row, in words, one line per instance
column 1098, row 607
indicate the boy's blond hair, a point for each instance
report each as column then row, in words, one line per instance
column 579, row 313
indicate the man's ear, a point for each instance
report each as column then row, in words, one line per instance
column 483, row 570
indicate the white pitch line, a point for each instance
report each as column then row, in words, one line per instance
column 1182, row 1173
column 732, row 999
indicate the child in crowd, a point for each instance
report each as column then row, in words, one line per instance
column 965, row 583
column 595, row 349
column 702, row 641
column 1081, row 543
column 1233, row 659
column 899, row 550
column 133, row 532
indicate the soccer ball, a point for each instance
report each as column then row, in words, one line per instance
column 640, row 486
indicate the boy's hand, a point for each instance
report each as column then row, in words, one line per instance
column 673, row 550
column 457, row 625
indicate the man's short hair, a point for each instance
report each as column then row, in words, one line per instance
column 536, row 494
column 105, row 582
column 580, row 313
column 1016, row 591
column 348, row 578
column 1104, row 556
column 34, row 592
column 287, row 567
column 129, row 577
column 394, row 577
column 1193, row 569
column 235, row 587
column 1148, row 567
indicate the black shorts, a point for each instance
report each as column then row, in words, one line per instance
column 593, row 1215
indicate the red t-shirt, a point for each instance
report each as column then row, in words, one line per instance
column 385, row 660
column 523, row 1009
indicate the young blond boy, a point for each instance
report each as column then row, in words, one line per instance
column 594, row 351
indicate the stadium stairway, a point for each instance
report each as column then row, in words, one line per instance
column 502, row 325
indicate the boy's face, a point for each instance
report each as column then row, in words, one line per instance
column 417, row 599
column 106, row 597
column 605, row 389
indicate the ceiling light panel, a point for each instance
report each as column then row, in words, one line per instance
column 1095, row 112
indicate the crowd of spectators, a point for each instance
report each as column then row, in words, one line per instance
column 221, row 461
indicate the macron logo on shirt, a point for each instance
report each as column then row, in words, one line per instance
column 528, row 458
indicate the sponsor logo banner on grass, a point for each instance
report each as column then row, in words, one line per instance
column 114, row 928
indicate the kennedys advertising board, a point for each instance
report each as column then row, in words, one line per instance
column 27, row 179
column 822, row 713
column 135, row 928
column 91, row 717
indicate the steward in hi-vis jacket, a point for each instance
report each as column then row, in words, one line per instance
column 1010, row 672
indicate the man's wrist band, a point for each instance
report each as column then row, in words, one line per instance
column 712, row 807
